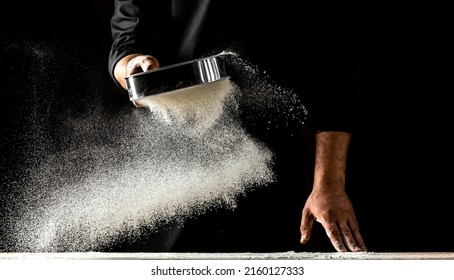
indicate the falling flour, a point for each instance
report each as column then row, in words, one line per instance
column 186, row 152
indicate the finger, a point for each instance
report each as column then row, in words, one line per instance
column 134, row 68
column 149, row 64
column 137, row 104
column 335, row 237
column 357, row 236
column 307, row 222
column 349, row 239
column 141, row 64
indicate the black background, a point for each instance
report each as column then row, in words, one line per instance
column 401, row 159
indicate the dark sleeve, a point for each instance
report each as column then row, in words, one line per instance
column 132, row 29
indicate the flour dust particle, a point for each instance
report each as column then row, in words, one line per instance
column 185, row 152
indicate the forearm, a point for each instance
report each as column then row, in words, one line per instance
column 330, row 160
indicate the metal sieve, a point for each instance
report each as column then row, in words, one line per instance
column 176, row 76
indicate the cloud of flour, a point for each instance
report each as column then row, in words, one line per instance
column 97, row 178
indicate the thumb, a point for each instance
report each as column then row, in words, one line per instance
column 307, row 221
